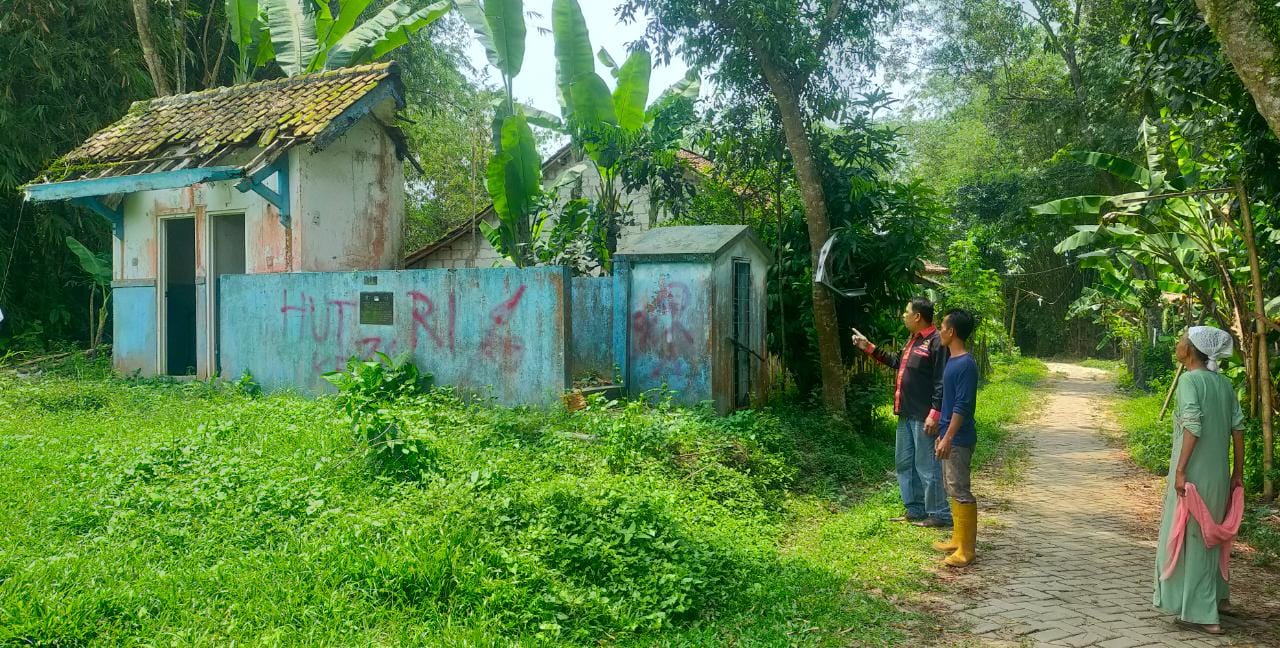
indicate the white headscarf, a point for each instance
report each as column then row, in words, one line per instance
column 1213, row 342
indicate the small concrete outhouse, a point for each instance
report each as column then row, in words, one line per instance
column 695, row 313
column 300, row 174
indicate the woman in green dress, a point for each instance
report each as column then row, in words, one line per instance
column 1207, row 421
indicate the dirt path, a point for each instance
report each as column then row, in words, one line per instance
column 1066, row 557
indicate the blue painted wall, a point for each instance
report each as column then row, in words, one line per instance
column 498, row 331
column 133, row 331
column 592, row 318
column 670, row 318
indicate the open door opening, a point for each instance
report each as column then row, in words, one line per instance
column 227, row 257
column 179, row 296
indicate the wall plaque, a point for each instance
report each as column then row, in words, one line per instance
column 377, row 308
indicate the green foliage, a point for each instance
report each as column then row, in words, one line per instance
column 671, row 527
column 306, row 36
column 499, row 26
column 368, row 392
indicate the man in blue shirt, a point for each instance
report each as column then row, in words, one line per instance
column 955, row 447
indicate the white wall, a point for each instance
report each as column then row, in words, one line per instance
column 347, row 205
column 464, row 253
column 350, row 207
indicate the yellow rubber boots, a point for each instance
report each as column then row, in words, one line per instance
column 949, row 545
column 965, row 533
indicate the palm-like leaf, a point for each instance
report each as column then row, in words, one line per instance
column 632, row 94
column 242, row 18
column 499, row 26
column 386, row 31
column 98, row 266
column 1116, row 166
column 348, row 13
column 586, row 96
column 293, row 34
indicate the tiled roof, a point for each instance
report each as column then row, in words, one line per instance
column 200, row 128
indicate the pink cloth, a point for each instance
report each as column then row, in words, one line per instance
column 1214, row 534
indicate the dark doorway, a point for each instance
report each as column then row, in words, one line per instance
column 180, row 296
column 742, row 332
column 226, row 258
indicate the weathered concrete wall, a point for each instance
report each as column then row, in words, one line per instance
column 350, row 208
column 498, row 331
column 137, row 257
column 671, row 322
column 347, row 206
column 133, row 329
column 723, row 386
column 592, row 317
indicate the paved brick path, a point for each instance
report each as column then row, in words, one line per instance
column 1067, row 566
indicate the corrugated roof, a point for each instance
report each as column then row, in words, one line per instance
column 200, row 128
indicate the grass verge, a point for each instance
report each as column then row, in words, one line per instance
column 145, row 513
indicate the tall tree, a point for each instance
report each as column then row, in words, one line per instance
column 805, row 55
column 1250, row 35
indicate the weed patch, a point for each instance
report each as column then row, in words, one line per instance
column 196, row 513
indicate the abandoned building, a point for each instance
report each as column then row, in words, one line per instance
column 258, row 229
column 290, row 175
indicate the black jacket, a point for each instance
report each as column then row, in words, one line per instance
column 918, row 387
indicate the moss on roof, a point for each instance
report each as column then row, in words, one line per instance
column 198, row 128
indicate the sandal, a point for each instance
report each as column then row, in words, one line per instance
column 1209, row 629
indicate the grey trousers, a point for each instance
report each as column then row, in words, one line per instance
column 955, row 474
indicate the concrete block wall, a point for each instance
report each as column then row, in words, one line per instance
column 503, row 333
column 591, row 351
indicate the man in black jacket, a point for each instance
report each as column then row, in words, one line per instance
column 917, row 400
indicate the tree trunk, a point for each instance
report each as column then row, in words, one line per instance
column 1253, row 53
column 155, row 67
column 1260, row 343
column 815, row 208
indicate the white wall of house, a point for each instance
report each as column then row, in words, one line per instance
column 347, row 213
column 474, row 251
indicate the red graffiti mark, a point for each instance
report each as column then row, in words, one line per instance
column 498, row 342
column 453, row 309
column 342, row 306
column 423, row 308
column 285, row 309
column 658, row 329
column 366, row 347
column 500, row 314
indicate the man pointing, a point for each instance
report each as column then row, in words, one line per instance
column 917, row 400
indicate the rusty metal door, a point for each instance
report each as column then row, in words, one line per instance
column 742, row 310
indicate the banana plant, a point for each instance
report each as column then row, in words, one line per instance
column 98, row 267
column 1175, row 235
column 304, row 36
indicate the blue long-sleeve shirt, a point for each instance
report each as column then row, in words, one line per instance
column 960, row 396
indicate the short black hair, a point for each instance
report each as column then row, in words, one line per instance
column 961, row 322
column 922, row 306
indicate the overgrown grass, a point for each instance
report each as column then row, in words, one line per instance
column 144, row 513
column 1150, row 443
column 1113, row 366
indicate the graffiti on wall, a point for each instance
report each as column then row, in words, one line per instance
column 330, row 326
column 660, row 330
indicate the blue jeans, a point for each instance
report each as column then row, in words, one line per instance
column 919, row 472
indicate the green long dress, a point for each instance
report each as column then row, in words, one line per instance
column 1208, row 408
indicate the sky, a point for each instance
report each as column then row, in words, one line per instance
column 536, row 83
